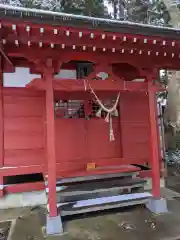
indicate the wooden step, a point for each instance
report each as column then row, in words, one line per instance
column 103, row 203
column 100, row 173
column 103, row 188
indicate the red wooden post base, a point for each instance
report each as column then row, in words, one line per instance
column 156, row 204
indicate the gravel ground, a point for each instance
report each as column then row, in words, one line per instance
column 128, row 224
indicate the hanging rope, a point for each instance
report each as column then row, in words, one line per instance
column 110, row 112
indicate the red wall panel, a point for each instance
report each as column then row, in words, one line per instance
column 100, row 147
column 70, row 144
column 78, row 141
column 23, row 106
column 25, row 157
column 24, row 136
column 135, row 126
column 70, row 139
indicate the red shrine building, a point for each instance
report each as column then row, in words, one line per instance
column 87, row 123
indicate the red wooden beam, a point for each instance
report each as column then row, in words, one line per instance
column 133, row 41
column 121, row 168
column 86, row 32
column 154, row 141
column 20, row 170
column 68, row 54
column 70, row 85
column 24, row 187
column 50, row 136
column 46, row 39
column 120, row 129
column 136, row 60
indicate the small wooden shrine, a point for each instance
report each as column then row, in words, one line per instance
column 102, row 124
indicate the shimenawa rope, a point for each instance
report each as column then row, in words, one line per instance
column 110, row 112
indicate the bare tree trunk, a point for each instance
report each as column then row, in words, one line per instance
column 173, row 109
column 115, row 8
column 121, row 9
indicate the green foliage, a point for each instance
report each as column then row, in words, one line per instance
column 143, row 11
column 95, row 8
column 71, row 6
column 138, row 11
column 158, row 13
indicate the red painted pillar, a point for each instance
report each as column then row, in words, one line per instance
column 50, row 136
column 1, row 131
column 154, row 141
column 120, row 126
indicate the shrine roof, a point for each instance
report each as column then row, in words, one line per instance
column 63, row 19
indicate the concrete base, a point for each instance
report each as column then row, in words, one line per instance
column 25, row 199
column 54, row 225
column 157, row 205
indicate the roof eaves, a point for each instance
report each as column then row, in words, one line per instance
column 55, row 18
